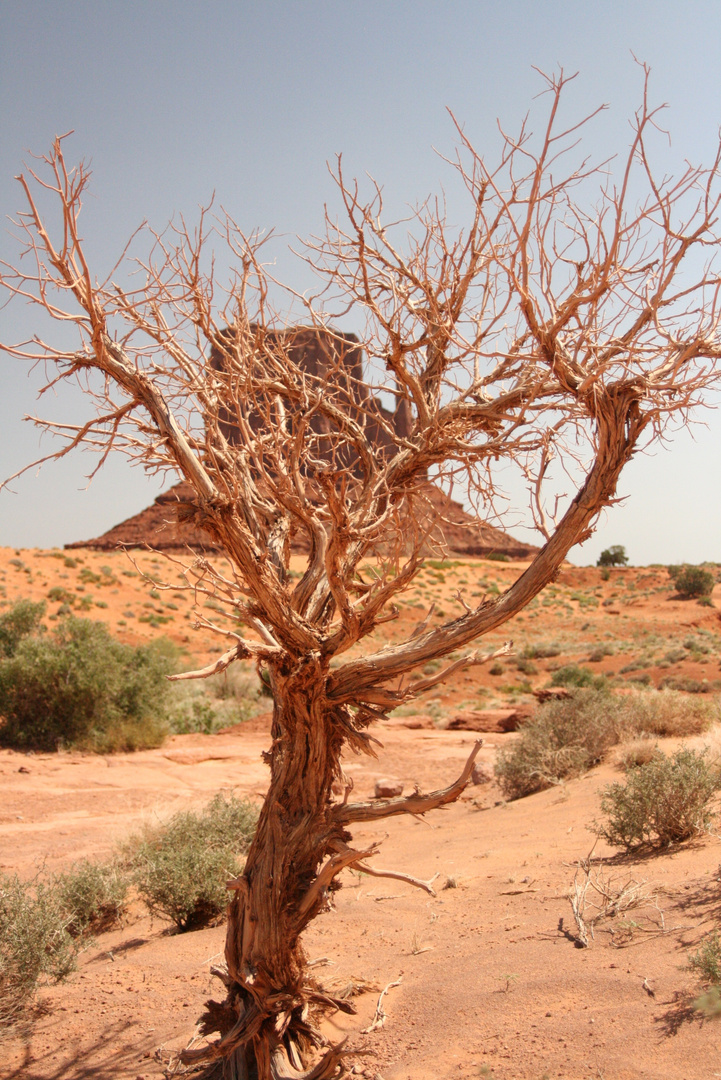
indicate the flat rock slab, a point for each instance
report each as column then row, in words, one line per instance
column 194, row 757
column 496, row 720
column 414, row 723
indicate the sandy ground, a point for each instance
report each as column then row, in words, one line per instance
column 491, row 982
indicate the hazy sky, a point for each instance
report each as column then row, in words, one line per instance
column 173, row 101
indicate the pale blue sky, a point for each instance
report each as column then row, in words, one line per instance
column 173, row 101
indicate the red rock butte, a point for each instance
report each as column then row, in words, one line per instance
column 167, row 525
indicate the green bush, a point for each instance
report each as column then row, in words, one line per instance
column 565, row 739
column 80, row 687
column 663, row 802
column 577, row 676
column 92, row 895
column 180, row 868
column 613, row 556
column 707, row 961
column 691, row 581
column 34, row 943
column 22, row 620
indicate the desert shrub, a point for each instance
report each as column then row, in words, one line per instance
column 663, row 802
column 707, row 961
column 685, row 684
column 599, row 653
column 691, row 581
column 91, row 895
column 575, row 675
column 21, row 620
column 80, row 687
column 565, row 739
column 613, row 556
column 180, row 868
column 59, row 595
column 34, row 943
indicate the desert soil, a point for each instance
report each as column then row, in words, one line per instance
column 490, row 981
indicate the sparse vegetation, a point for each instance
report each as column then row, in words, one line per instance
column 180, row 868
column 706, row 962
column 542, row 651
column 565, row 739
column 34, row 943
column 665, row 801
column 569, row 737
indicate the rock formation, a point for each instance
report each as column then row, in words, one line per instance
column 338, row 359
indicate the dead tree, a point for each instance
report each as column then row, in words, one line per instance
column 542, row 331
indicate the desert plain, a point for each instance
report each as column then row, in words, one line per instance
column 485, row 978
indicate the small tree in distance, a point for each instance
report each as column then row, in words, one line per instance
column 541, row 328
column 613, row 556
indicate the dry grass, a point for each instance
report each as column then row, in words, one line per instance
column 669, row 713
column 596, row 897
column 637, row 752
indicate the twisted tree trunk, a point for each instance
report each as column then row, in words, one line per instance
column 267, row 1021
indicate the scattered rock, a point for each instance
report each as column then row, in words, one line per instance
column 388, row 789
column 482, row 773
column 23, row 768
column 498, row 720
